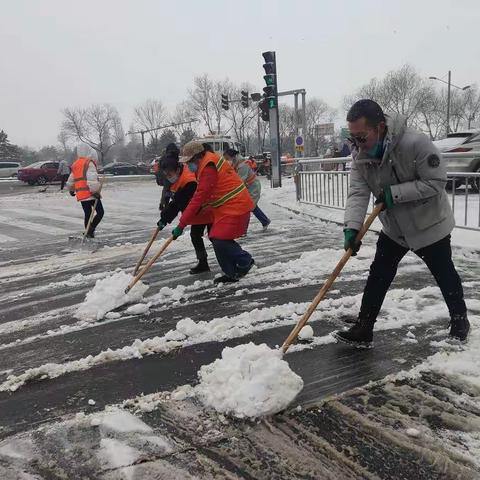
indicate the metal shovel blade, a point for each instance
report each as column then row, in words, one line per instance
column 83, row 243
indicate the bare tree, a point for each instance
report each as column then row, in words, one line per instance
column 183, row 113
column 205, row 101
column 242, row 121
column 99, row 126
column 317, row 112
column 150, row 114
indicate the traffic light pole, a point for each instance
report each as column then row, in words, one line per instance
column 275, row 148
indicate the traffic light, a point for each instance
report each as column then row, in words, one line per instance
column 244, row 100
column 270, row 78
column 225, row 105
column 264, row 110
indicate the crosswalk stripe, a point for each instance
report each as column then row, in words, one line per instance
column 6, row 238
column 34, row 227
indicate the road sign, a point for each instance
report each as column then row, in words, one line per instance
column 299, row 143
column 325, row 129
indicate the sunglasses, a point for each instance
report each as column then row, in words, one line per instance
column 358, row 139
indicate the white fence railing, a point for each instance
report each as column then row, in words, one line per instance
column 325, row 182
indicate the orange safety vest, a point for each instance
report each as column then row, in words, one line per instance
column 251, row 163
column 230, row 196
column 185, row 177
column 79, row 172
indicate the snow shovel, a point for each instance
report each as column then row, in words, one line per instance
column 147, row 248
column 73, row 241
column 147, row 267
column 326, row 286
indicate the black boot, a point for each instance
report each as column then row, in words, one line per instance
column 225, row 279
column 241, row 272
column 358, row 335
column 201, row 267
column 459, row 327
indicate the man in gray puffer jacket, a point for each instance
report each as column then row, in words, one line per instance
column 403, row 170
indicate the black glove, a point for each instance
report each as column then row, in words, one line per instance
column 72, row 193
column 96, row 195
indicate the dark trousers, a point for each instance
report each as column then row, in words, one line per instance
column 437, row 257
column 196, row 235
column 233, row 260
column 87, row 206
column 64, row 179
column 261, row 217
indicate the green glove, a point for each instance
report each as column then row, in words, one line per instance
column 385, row 197
column 349, row 235
column 176, row 232
column 161, row 225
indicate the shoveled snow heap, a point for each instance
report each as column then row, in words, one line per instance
column 108, row 294
column 248, row 381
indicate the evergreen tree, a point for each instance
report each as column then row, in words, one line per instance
column 7, row 150
column 187, row 136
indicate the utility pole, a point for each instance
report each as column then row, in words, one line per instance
column 449, row 88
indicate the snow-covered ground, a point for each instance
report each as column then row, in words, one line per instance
column 92, row 373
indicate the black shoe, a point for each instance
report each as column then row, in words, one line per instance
column 241, row 272
column 358, row 335
column 225, row 279
column 201, row 267
column 90, row 235
column 459, row 327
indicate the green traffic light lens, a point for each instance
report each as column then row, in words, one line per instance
column 271, row 103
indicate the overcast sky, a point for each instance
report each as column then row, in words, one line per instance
column 58, row 53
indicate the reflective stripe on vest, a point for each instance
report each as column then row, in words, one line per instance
column 230, row 196
column 227, row 196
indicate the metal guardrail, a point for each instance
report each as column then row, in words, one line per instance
column 317, row 184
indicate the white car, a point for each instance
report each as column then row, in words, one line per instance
column 467, row 144
column 9, row 169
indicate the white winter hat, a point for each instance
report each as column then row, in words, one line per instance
column 83, row 150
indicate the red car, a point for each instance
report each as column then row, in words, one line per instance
column 39, row 173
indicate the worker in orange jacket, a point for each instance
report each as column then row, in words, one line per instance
column 83, row 183
column 183, row 184
column 223, row 192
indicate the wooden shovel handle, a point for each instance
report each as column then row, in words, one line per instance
column 92, row 213
column 145, row 251
column 147, row 267
column 326, row 286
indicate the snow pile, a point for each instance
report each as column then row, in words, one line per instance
column 462, row 362
column 248, row 381
column 306, row 333
column 108, row 294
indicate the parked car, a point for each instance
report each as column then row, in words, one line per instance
column 467, row 142
column 9, row 169
column 39, row 173
column 119, row 168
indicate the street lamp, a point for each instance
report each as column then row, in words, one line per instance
column 450, row 85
